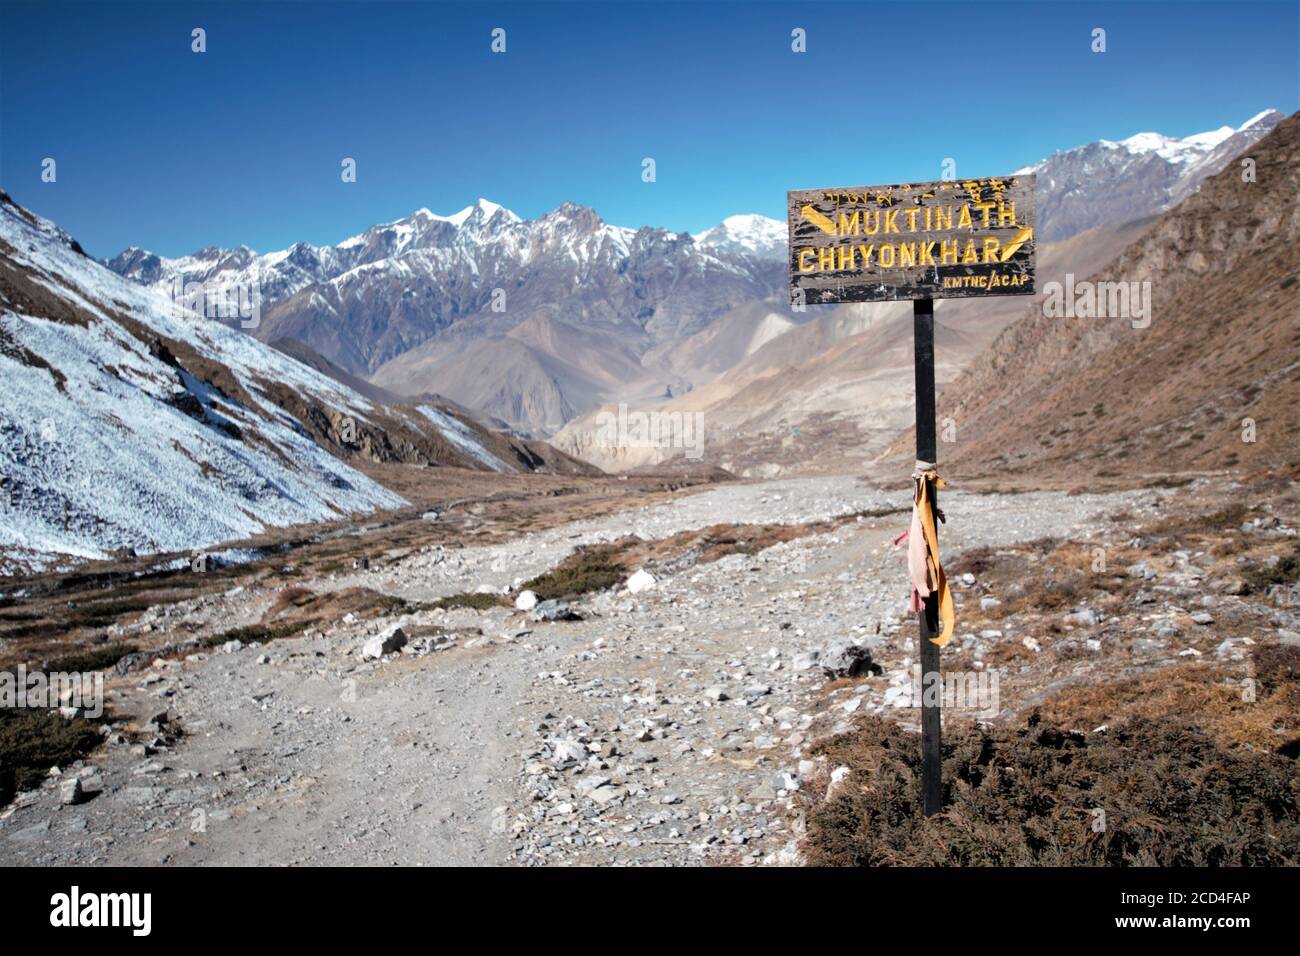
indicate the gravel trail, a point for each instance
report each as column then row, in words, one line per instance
column 667, row 727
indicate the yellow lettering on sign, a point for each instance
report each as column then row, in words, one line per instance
column 911, row 219
column 881, row 256
column 866, row 254
column 969, row 255
column 990, row 249
column 804, row 265
column 1007, row 213
column 906, row 254
column 963, row 219
column 927, row 253
column 985, row 207
column 948, row 252
column 891, row 220
column 942, row 218
column 846, row 261
column 826, row 259
column 868, row 226
column 848, row 227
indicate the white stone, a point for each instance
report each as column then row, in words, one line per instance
column 386, row 642
column 642, row 580
column 562, row 751
column 785, row 780
column 838, row 776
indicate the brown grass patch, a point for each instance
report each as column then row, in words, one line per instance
column 474, row 600
column 1212, row 695
column 1171, row 796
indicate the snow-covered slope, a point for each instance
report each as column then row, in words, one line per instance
column 110, row 440
column 129, row 423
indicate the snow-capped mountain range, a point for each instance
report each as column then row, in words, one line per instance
column 535, row 321
column 1106, row 182
column 127, row 423
column 442, row 268
column 485, row 239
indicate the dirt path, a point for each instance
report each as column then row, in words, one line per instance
column 666, row 727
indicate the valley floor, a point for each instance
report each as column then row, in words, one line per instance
column 666, row 727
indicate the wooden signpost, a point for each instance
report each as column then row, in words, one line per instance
column 918, row 241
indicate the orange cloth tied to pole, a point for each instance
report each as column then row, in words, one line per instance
column 923, row 563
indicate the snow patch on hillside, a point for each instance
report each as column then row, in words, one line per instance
column 460, row 435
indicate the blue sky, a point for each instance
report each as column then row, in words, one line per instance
column 163, row 148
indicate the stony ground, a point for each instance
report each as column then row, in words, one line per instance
column 665, row 727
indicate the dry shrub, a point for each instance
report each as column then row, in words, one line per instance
column 307, row 607
column 1276, row 666
column 474, row 600
column 96, row 659
column 589, row 569
column 977, row 561
column 1171, row 795
column 33, row 741
column 1261, row 576
column 1214, row 695
column 256, row 634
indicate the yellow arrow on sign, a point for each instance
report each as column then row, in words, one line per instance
column 818, row 220
column 1011, row 248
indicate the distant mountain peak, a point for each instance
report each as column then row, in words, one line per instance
column 749, row 234
column 483, row 209
column 568, row 209
column 1269, row 117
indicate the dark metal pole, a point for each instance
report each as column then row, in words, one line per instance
column 926, row 451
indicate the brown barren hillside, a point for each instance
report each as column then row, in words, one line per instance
column 1098, row 396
